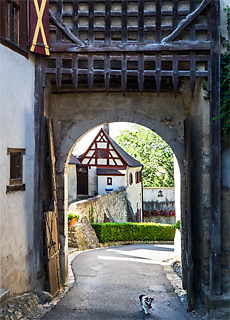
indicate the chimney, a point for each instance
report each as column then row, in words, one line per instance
column 106, row 128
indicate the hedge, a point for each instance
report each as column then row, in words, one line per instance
column 131, row 231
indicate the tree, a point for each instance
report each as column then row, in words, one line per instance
column 153, row 152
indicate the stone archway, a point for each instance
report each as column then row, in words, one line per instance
column 75, row 114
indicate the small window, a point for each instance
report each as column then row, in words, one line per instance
column 16, row 170
column 138, row 177
column 13, row 26
column 109, row 181
column 130, row 178
column 160, row 193
column 101, row 154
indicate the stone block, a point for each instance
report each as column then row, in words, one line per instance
column 215, row 301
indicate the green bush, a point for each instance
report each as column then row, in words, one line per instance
column 128, row 231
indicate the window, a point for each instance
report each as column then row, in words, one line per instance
column 138, row 176
column 130, row 178
column 160, row 193
column 109, row 181
column 16, row 170
column 101, row 154
column 13, row 26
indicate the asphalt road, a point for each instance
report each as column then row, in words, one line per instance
column 109, row 282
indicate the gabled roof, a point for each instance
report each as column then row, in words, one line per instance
column 89, row 157
column 129, row 159
column 74, row 160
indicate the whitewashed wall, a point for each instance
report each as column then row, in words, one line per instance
column 151, row 194
column 92, row 182
column 177, row 184
column 72, row 182
column 16, row 131
column 117, row 181
column 134, row 191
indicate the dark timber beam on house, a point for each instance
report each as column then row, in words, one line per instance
column 133, row 47
column 215, row 137
column 189, row 19
column 39, row 123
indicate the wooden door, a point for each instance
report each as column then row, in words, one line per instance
column 51, row 246
column 52, row 252
column 82, row 181
column 52, row 166
column 188, row 223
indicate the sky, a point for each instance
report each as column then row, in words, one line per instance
column 115, row 129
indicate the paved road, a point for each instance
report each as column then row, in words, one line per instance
column 109, row 281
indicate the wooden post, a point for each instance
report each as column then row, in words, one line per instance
column 39, row 123
column 215, row 137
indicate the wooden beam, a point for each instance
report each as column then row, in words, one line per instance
column 59, row 22
column 185, row 22
column 215, row 143
column 131, row 47
column 39, row 124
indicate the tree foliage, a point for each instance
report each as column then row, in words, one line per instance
column 225, row 80
column 153, row 152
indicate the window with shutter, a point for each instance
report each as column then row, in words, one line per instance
column 16, row 170
column 13, row 25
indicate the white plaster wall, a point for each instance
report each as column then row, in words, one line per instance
column 72, row 182
column 177, row 185
column 117, row 181
column 92, row 181
column 151, row 194
column 16, row 131
column 134, row 191
column 223, row 20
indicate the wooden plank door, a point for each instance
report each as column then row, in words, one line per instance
column 52, row 252
column 52, row 165
column 82, row 181
column 188, row 220
column 51, row 226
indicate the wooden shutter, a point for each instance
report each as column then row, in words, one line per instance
column 39, row 26
column 23, row 32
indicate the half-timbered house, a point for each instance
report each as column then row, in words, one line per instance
column 108, row 167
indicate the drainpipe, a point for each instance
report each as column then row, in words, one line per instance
column 142, row 212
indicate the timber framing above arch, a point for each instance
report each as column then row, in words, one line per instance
column 137, row 45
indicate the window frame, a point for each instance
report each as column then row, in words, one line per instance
column 130, row 178
column 16, row 170
column 109, row 181
column 7, row 9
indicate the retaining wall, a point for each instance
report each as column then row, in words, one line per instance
column 111, row 207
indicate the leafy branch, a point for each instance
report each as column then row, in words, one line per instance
column 153, row 152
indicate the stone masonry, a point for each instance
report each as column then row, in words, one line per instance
column 82, row 236
column 114, row 206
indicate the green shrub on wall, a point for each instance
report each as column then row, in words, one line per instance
column 128, row 231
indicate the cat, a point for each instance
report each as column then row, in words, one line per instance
column 145, row 303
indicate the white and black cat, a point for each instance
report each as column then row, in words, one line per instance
column 145, row 303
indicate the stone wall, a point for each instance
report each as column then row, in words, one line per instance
column 152, row 201
column 160, row 219
column 113, row 206
column 225, row 210
column 82, row 236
